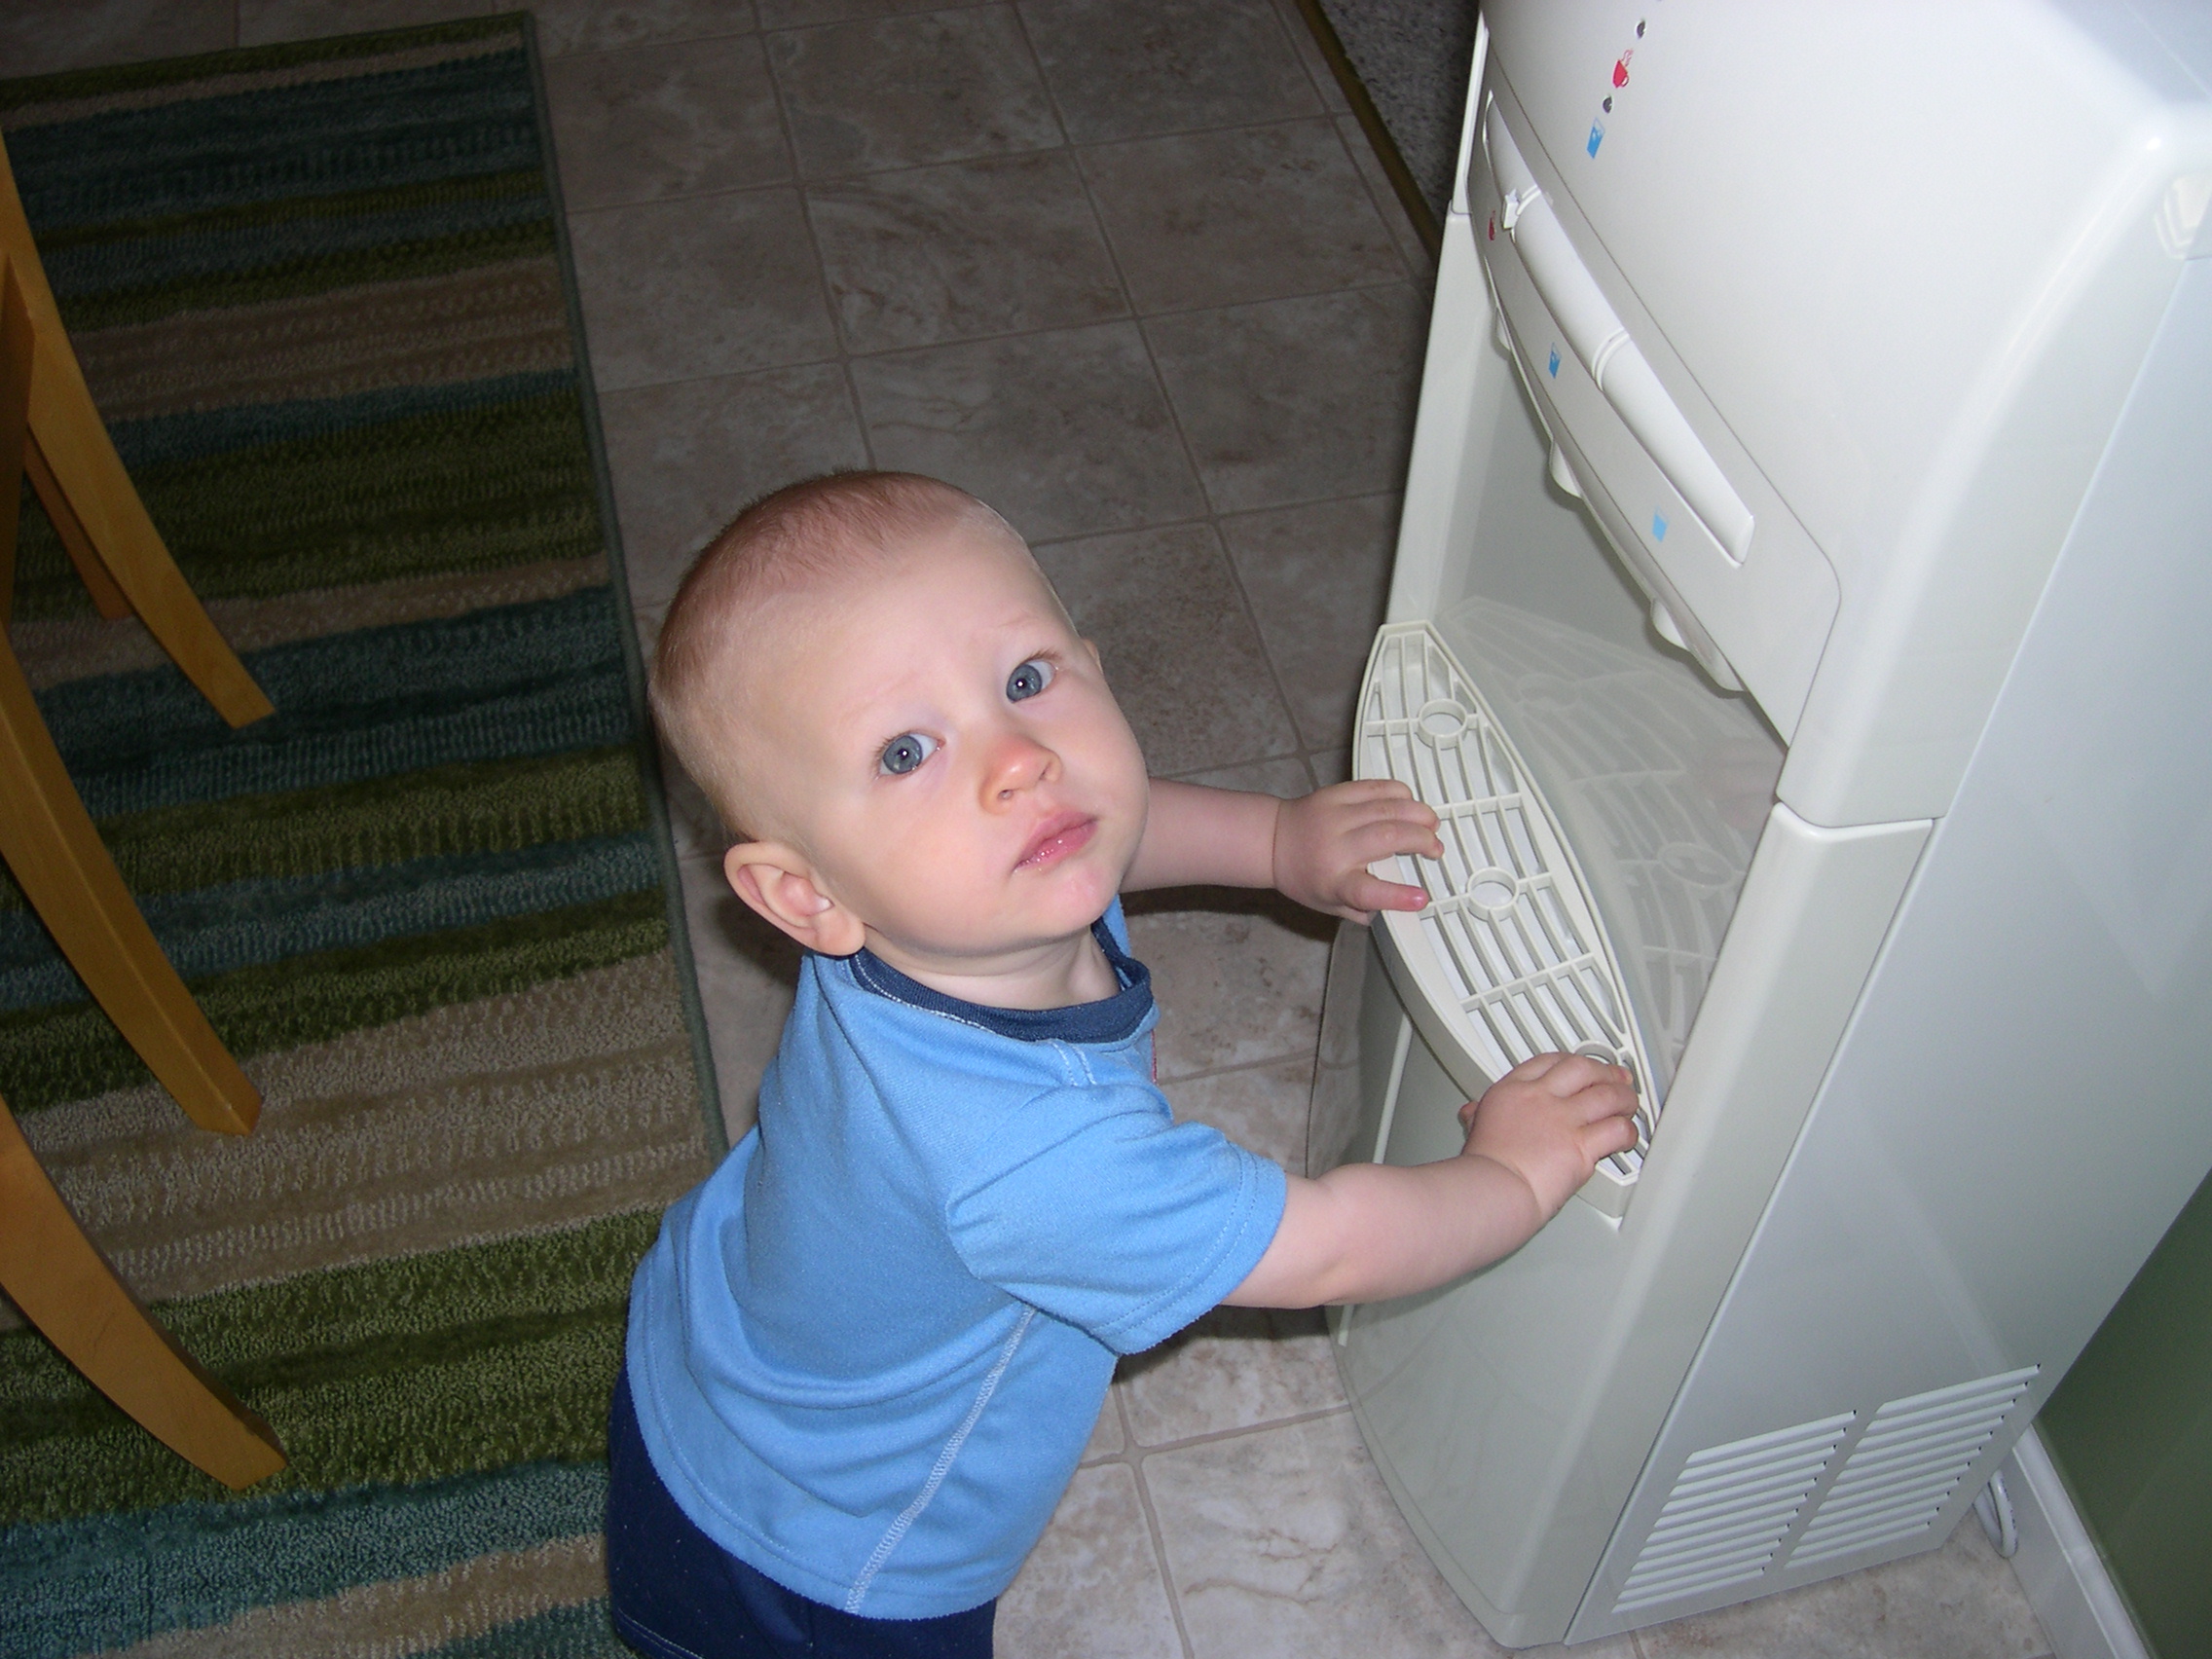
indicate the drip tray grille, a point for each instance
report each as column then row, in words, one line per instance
column 1509, row 946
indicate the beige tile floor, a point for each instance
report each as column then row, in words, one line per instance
column 1126, row 269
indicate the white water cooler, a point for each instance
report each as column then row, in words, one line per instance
column 1802, row 622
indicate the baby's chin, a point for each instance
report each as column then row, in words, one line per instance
column 1028, row 909
column 1079, row 893
column 1011, row 937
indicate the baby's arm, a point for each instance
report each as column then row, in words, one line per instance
column 1368, row 1232
column 1315, row 849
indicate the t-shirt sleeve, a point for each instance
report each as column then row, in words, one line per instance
column 1101, row 1211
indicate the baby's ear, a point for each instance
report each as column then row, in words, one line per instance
column 779, row 882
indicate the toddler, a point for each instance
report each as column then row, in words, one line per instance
column 865, row 1355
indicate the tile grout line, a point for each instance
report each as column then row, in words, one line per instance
column 880, row 18
column 1233, row 1070
column 726, row 374
column 1190, row 456
column 1073, row 153
column 1130, row 140
column 1153, row 1532
column 1304, row 47
column 1134, row 316
column 1297, row 52
column 854, row 175
column 843, row 356
column 1273, row 299
column 1121, row 276
column 1267, row 653
column 1214, row 1437
column 1332, row 118
column 1301, row 38
column 1153, row 1536
column 581, row 53
column 1385, row 209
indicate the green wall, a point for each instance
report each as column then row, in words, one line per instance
column 2131, row 1428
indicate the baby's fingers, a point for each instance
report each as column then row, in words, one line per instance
column 1368, row 892
column 1537, row 1066
column 1404, row 810
column 1606, row 1110
column 1582, row 1074
column 1369, row 790
column 1607, row 1136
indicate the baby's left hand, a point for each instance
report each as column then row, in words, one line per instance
column 1326, row 841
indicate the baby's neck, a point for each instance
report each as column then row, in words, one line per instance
column 1058, row 974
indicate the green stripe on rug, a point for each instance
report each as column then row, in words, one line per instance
column 58, row 242
column 169, row 441
column 211, row 932
column 494, row 685
column 50, row 1056
column 472, row 489
column 259, row 253
column 393, row 1373
column 470, row 115
column 81, row 1586
column 425, row 256
column 476, row 1397
column 179, row 74
column 495, row 806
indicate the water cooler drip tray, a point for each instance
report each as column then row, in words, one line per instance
column 1508, row 958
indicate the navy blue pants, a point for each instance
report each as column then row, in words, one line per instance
column 679, row 1595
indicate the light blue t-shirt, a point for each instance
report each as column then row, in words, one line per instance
column 867, row 1350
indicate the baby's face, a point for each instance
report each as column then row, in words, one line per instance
column 945, row 748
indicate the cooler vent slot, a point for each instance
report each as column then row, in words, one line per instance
column 1906, row 1466
column 1508, row 925
column 1730, row 1509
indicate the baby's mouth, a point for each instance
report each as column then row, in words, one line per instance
column 1056, row 839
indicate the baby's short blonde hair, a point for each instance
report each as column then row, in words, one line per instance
column 798, row 538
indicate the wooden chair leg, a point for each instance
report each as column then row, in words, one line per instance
column 16, row 343
column 108, row 597
column 48, row 840
column 80, row 459
column 66, row 1288
column 74, row 444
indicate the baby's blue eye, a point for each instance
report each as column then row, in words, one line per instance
column 904, row 753
column 1031, row 678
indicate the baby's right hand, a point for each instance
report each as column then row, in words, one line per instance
column 1549, row 1120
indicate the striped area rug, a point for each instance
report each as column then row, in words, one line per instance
column 319, row 292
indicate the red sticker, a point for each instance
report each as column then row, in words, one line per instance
column 1620, row 69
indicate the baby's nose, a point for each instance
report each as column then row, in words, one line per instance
column 1018, row 763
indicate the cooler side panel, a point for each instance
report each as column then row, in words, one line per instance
column 2017, row 1112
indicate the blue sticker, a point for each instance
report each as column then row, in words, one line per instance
column 1597, row 135
column 1658, row 527
column 1555, row 362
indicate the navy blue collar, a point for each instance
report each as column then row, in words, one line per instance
column 1112, row 1020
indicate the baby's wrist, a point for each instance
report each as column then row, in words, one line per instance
column 1520, row 1191
column 1275, row 874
